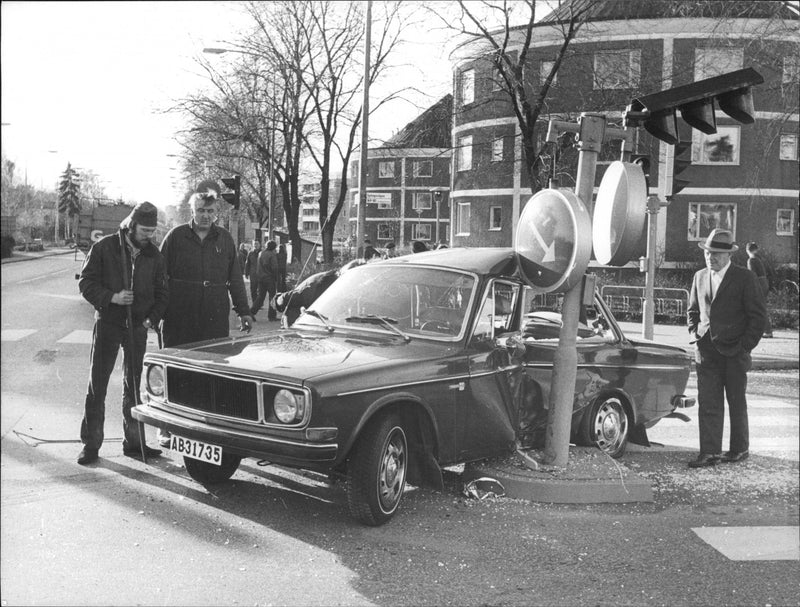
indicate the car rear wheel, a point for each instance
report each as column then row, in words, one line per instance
column 377, row 468
column 605, row 425
column 211, row 474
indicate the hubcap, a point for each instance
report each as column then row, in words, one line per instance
column 611, row 425
column 393, row 471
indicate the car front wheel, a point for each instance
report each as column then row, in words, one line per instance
column 377, row 468
column 212, row 474
column 605, row 425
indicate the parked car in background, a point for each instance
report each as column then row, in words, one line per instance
column 399, row 368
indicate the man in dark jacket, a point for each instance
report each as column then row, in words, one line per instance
column 303, row 295
column 282, row 262
column 268, row 279
column 251, row 269
column 726, row 320
column 204, row 276
column 203, row 271
column 102, row 284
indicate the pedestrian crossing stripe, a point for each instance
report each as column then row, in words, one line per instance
column 15, row 334
column 76, row 337
column 79, row 336
column 753, row 543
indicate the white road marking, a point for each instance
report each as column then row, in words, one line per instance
column 77, row 297
column 77, row 337
column 15, row 334
column 753, row 543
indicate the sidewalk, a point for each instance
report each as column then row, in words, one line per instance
column 782, row 352
column 48, row 252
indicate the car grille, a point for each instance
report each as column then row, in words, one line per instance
column 213, row 393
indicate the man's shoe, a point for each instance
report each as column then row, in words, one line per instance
column 137, row 452
column 703, row 460
column 735, row 456
column 87, row 456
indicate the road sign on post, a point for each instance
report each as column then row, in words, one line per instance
column 552, row 241
column 619, row 214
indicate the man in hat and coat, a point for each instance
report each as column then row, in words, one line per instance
column 726, row 314
column 122, row 270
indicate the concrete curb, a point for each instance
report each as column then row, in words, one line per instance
column 591, row 477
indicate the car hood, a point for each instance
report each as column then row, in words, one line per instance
column 301, row 355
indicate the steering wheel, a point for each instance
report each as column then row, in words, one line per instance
column 437, row 326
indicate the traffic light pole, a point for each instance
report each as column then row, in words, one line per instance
column 565, row 359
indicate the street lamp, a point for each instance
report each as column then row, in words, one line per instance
column 437, row 198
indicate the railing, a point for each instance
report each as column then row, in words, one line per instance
column 627, row 301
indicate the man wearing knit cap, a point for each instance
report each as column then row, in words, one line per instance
column 130, row 255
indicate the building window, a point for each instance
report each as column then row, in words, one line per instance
column 497, row 80
column 788, row 146
column 617, row 69
column 384, row 231
column 710, row 62
column 545, row 67
column 465, row 153
column 791, row 69
column 462, row 220
column 497, row 150
column 495, row 218
column 784, row 222
column 467, row 88
column 421, row 201
column 386, row 169
column 423, row 168
column 720, row 148
column 420, row 231
column 707, row 216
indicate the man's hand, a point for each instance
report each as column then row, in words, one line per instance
column 246, row 323
column 123, row 298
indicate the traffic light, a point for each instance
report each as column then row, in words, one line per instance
column 680, row 162
column 232, row 183
column 644, row 163
column 695, row 101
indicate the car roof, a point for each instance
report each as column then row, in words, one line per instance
column 480, row 260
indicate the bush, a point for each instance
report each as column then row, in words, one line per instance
column 7, row 244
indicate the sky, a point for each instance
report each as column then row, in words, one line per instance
column 87, row 83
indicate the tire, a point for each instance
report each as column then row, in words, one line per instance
column 211, row 474
column 606, row 425
column 377, row 470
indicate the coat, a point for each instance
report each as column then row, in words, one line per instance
column 204, row 275
column 304, row 294
column 101, row 277
column 251, row 265
column 737, row 315
column 268, row 267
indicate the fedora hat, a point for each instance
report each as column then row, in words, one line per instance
column 719, row 241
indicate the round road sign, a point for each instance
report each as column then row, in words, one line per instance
column 552, row 242
column 619, row 214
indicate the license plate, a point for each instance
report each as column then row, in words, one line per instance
column 196, row 449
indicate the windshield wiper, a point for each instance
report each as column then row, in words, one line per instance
column 384, row 321
column 324, row 320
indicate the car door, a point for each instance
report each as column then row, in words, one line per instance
column 487, row 411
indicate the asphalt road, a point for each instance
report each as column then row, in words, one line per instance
column 123, row 532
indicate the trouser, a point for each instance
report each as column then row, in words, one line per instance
column 266, row 291
column 253, row 290
column 719, row 377
column 106, row 341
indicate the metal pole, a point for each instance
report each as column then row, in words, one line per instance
column 565, row 359
column 648, row 304
column 362, row 178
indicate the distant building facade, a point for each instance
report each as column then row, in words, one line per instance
column 743, row 178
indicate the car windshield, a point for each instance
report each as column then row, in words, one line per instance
column 417, row 301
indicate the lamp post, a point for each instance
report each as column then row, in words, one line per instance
column 437, row 198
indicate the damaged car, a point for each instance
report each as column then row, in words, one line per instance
column 400, row 368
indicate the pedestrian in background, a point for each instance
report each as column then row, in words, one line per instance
column 418, row 247
column 369, row 250
column 203, row 272
column 102, row 284
column 251, row 270
column 242, row 255
column 726, row 317
column 267, row 280
column 757, row 267
column 391, row 250
column 282, row 262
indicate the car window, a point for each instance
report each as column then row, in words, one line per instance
column 417, row 300
column 496, row 314
column 541, row 320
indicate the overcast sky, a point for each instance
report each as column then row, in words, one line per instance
column 84, row 82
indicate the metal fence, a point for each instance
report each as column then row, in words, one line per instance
column 628, row 301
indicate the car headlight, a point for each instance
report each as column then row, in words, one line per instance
column 155, row 380
column 289, row 407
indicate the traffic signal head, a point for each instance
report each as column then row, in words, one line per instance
column 232, row 183
column 681, row 161
column 695, row 101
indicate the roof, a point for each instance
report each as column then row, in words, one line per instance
column 431, row 129
column 481, row 260
column 608, row 10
